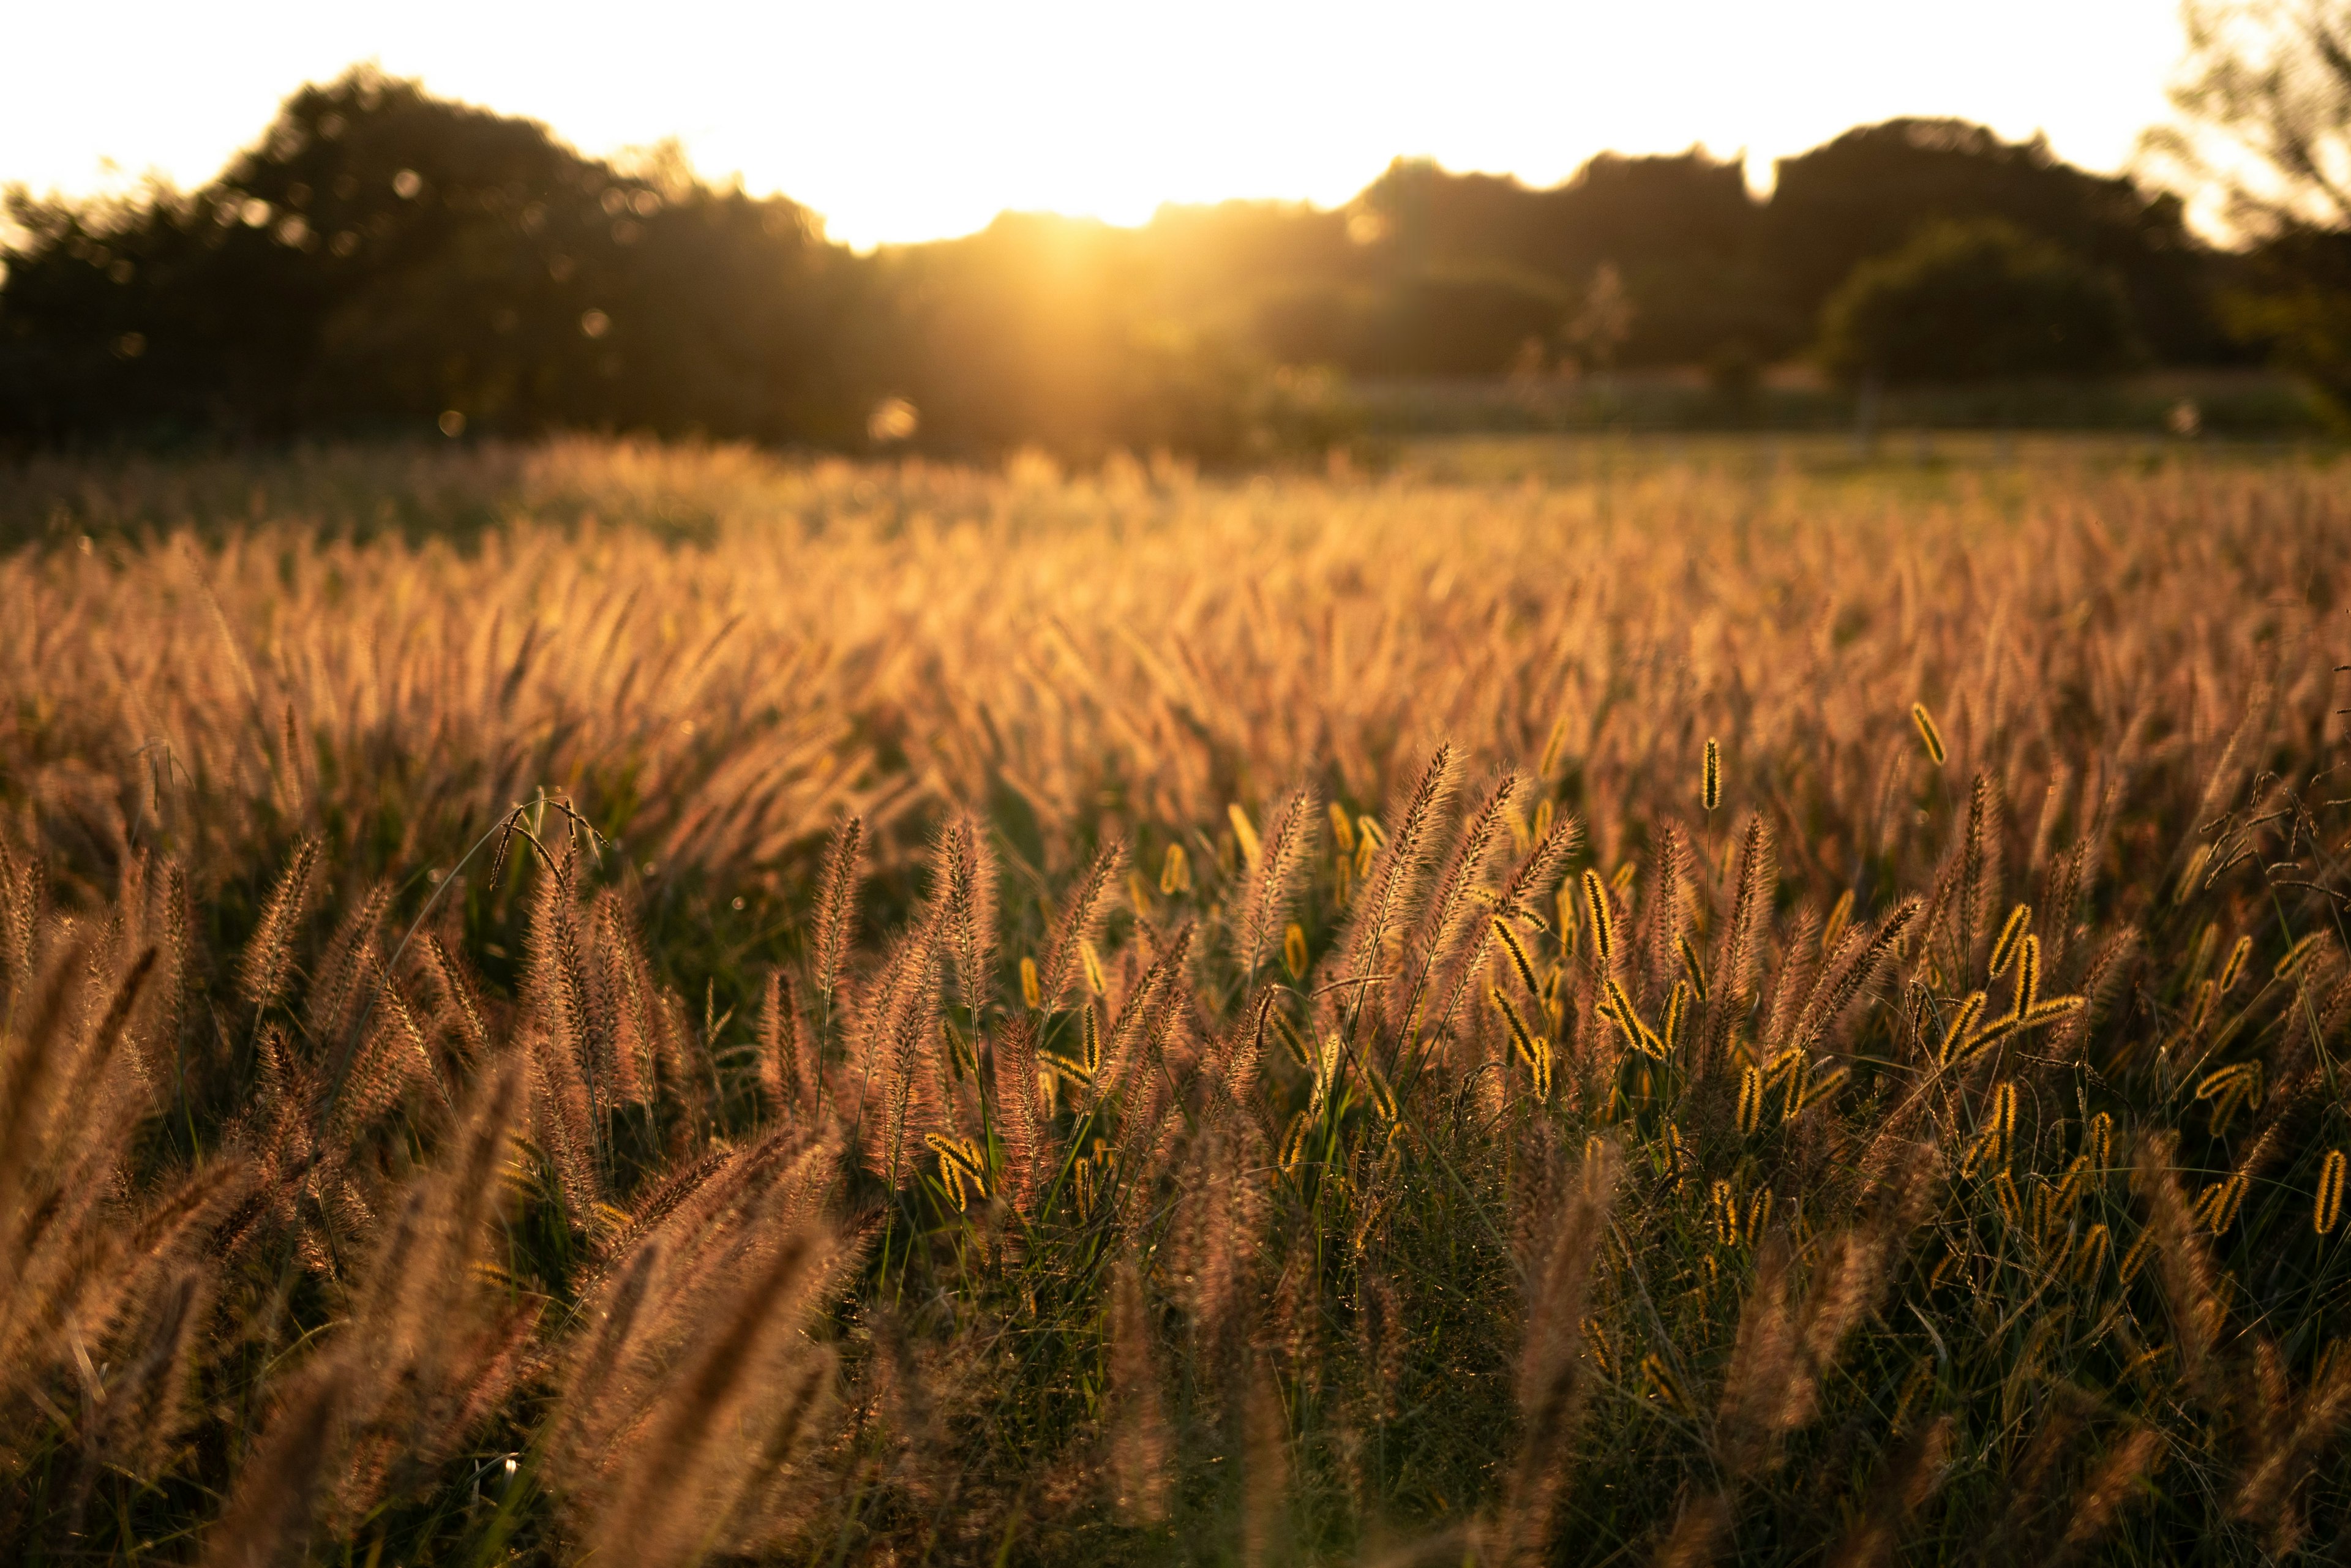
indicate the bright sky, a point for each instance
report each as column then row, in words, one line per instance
column 917, row 119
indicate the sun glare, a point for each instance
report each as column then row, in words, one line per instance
column 928, row 119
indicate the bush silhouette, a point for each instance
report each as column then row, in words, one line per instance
column 1968, row 301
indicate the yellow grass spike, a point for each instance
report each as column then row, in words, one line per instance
column 1549, row 766
column 1722, row 1204
column 1662, row 1387
column 1677, row 1005
column 2003, row 1116
column 2090, row 1259
column 1962, row 1022
column 1709, row 793
column 1294, row 1141
column 1244, row 833
column 1691, row 968
column 1031, row 992
column 1603, row 924
column 1595, row 1340
column 2327, row 1211
column 1509, row 937
column 2234, row 969
column 1519, row 1035
column 2295, row 954
column 2003, row 949
column 1927, row 734
column 1840, row 915
column 1823, row 1085
column 1293, row 950
column 2028, row 975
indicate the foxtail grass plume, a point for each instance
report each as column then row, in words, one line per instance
column 1928, row 736
column 2327, row 1211
column 1602, row 922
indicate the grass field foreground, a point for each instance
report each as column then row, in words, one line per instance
column 608, row 1003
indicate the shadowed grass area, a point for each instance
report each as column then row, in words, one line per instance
column 945, row 1016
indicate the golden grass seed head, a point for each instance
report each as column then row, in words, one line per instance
column 1678, row 1005
column 1710, row 778
column 2136, row 1259
column 1546, row 813
column 1138, row 893
column 1175, row 872
column 1722, row 1204
column 1691, row 968
column 1595, row 1340
column 1759, row 1215
column 2004, row 949
column 1508, row 935
column 1750, row 1100
column 2327, row 1211
column 2294, row 956
column 1962, row 1023
column 1244, row 833
column 2090, row 1258
column 1823, row 1085
column 1293, row 950
column 1661, row 1386
column 1032, row 993
column 2234, row 969
column 1294, row 1141
column 2200, row 1011
column 2232, row 1198
column 2098, row 1142
column 1091, row 962
column 1292, row 1041
column 2012, row 1209
column 1604, row 922
column 2028, row 975
column 1927, row 734
column 2077, row 1177
column 1343, row 830
column 1799, row 1078
column 1540, row 1065
column 1521, row 1037
column 1952, row 1262
column 1840, row 915
column 1549, row 767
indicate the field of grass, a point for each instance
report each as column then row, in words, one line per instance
column 592, row 1003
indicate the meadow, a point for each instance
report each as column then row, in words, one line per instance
column 592, row 1002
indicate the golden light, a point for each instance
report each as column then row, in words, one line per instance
column 925, row 118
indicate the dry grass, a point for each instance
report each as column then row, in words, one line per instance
column 1293, row 1062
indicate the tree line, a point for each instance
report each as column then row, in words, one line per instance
column 382, row 260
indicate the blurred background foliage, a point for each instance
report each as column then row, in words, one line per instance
column 383, row 261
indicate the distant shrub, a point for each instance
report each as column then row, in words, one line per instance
column 1968, row 301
